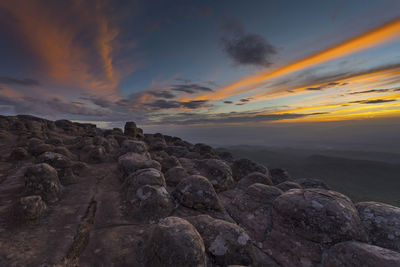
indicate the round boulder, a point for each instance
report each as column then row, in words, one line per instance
column 133, row 146
column 42, row 179
column 287, row 185
column 279, row 175
column 174, row 175
column 252, row 209
column 226, row 243
column 311, row 183
column 243, row 167
column 30, row 208
column 382, row 223
column 318, row 215
column 252, row 178
column 198, row 193
column 216, row 171
column 349, row 254
column 175, row 242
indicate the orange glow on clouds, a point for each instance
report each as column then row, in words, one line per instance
column 364, row 41
column 52, row 38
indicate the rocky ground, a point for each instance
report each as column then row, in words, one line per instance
column 75, row 195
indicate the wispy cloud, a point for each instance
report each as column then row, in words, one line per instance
column 19, row 81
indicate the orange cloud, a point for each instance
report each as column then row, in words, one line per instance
column 73, row 42
column 361, row 42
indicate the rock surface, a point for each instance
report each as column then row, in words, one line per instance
column 72, row 194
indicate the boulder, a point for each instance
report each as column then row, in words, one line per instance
column 133, row 146
column 30, row 208
column 252, row 209
column 216, row 171
column 382, row 223
column 130, row 129
column 174, row 175
column 55, row 160
column 318, row 215
column 97, row 154
column 243, row 167
column 131, row 162
column 19, row 153
column 349, row 254
column 42, row 179
column 197, row 192
column 149, row 203
column 287, row 185
column 226, row 243
column 174, row 242
column 279, row 175
column 311, row 183
column 252, row 178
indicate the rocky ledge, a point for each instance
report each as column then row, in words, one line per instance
column 72, row 194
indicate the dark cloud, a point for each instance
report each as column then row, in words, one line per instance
column 375, row 101
column 194, row 104
column 326, row 86
column 246, row 48
column 162, row 94
column 190, row 88
column 18, row 81
column 245, row 100
column 228, row 102
column 375, row 91
column 165, row 104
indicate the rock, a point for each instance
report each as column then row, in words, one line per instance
column 175, row 242
column 42, row 179
column 55, row 141
column 131, row 162
column 55, row 160
column 279, row 176
column 311, row 183
column 78, row 167
column 144, row 177
column 150, row 202
column 204, row 149
column 382, row 223
column 63, row 151
column 40, row 148
column 318, row 215
column 177, row 151
column 252, row 178
column 19, row 153
column 97, row 154
column 133, row 146
column 226, row 243
column 130, row 129
column 348, row 254
column 225, row 155
column 217, row 172
column 167, row 162
column 198, row 193
column 252, row 209
column 30, row 209
column 174, row 175
column 287, row 185
column 243, row 167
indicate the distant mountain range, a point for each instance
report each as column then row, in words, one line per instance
column 364, row 176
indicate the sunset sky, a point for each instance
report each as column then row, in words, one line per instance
column 214, row 67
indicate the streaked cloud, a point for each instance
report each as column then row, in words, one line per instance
column 374, row 37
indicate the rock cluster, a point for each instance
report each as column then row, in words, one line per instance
column 73, row 193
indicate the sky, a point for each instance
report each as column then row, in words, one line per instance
column 311, row 73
